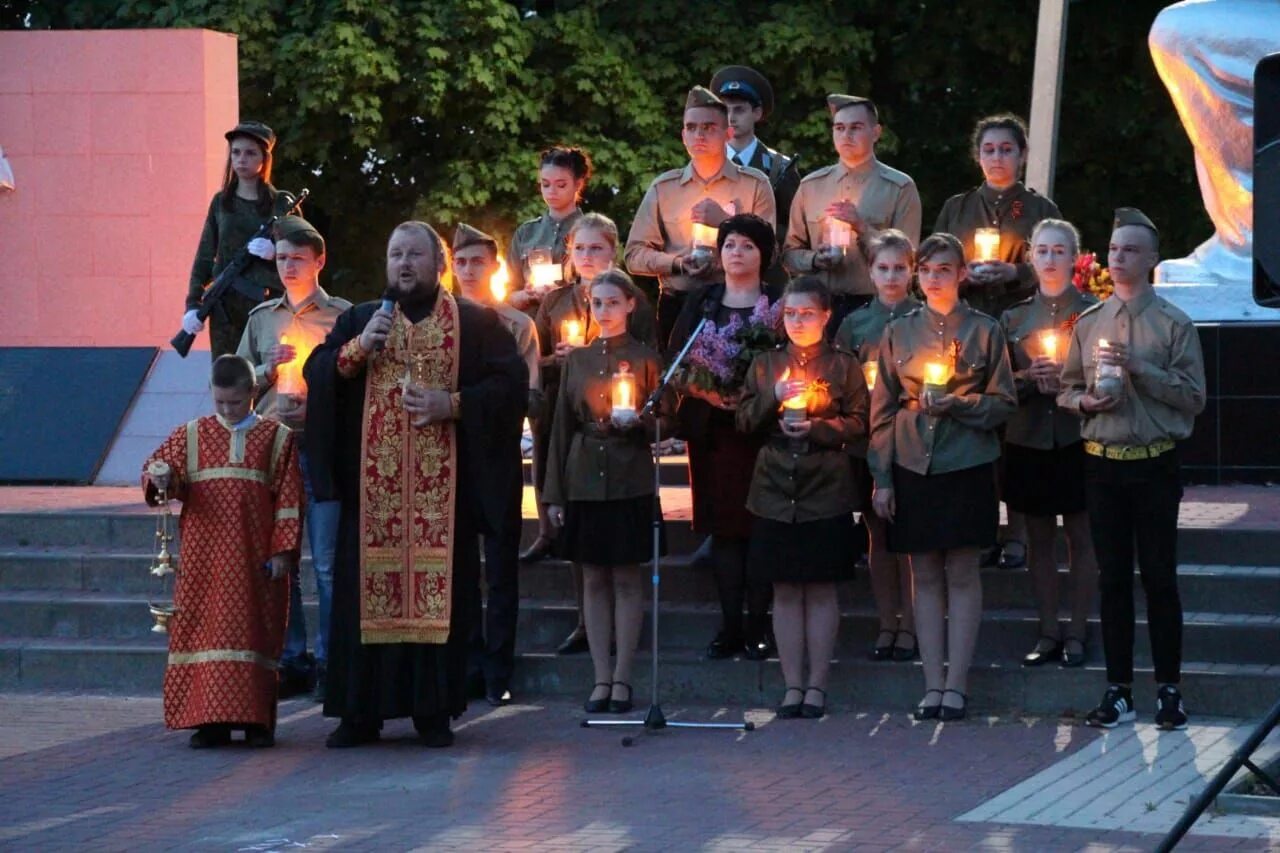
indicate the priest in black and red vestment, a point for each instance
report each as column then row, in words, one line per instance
column 414, row 425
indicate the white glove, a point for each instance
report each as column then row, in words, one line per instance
column 262, row 248
column 191, row 322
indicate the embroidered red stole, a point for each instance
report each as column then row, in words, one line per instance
column 408, row 487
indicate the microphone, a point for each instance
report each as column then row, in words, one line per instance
column 388, row 305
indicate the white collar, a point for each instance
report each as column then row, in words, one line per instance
column 746, row 154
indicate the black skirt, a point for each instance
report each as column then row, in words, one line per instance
column 610, row 533
column 938, row 512
column 820, row 551
column 1044, row 482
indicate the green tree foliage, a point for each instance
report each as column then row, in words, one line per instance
column 436, row 109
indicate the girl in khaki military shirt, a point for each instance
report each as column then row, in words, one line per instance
column 599, row 485
column 1044, row 457
column 932, row 454
column 563, row 173
column 802, row 492
column 892, row 261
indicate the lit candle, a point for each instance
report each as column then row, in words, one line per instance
column 986, row 244
column 500, row 280
column 1109, row 378
column 571, row 333
column 1049, row 344
column 624, row 394
column 544, row 272
column 288, row 378
column 837, row 233
column 870, row 372
column 704, row 235
column 936, row 376
column 796, row 408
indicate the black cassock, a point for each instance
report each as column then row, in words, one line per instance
column 370, row 683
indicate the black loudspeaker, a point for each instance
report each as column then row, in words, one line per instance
column 1266, row 182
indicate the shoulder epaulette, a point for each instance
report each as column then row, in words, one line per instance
column 752, row 171
column 668, row 175
column 894, row 176
column 817, row 173
column 268, row 304
column 1086, row 312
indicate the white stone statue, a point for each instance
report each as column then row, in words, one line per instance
column 1205, row 52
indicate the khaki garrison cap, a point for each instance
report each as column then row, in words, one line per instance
column 289, row 227
column 464, row 236
column 701, row 96
column 837, row 102
column 1133, row 216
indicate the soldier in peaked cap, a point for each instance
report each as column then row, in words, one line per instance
column 279, row 334
column 1137, row 395
column 708, row 190
column 749, row 99
column 859, row 191
column 493, row 634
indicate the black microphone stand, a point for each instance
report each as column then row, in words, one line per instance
column 654, row 719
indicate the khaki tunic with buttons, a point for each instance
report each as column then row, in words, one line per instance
column 589, row 459
column 521, row 327
column 1039, row 422
column 541, row 233
column 967, row 435
column 1164, row 385
column 663, row 226
column 860, row 334
column 798, row 480
column 885, row 197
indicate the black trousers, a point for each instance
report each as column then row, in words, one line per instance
column 493, row 634
column 729, row 557
column 670, row 302
column 1135, row 505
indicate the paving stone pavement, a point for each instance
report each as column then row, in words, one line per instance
column 91, row 772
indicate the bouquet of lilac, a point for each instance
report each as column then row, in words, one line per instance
column 720, row 355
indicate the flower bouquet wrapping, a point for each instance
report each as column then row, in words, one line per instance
column 1089, row 276
column 720, row 356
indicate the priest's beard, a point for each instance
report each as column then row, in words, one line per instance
column 417, row 302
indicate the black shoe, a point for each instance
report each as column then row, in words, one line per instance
column 434, row 731
column 1070, row 659
column 498, row 695
column 927, row 712
column 1013, row 555
column 296, row 678
column 885, row 652
column 791, row 711
column 259, row 737
column 1170, row 715
column 1039, row 656
column 902, row 654
column 349, row 734
column 1115, row 708
column 207, row 737
column 950, row 713
column 322, row 672
column 539, row 550
column 620, row 706
column 575, row 643
column 724, row 646
column 762, row 647
column 598, row 706
column 811, row 711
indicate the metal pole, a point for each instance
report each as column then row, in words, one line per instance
column 1046, row 95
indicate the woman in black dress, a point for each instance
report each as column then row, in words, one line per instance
column 809, row 400
column 721, row 458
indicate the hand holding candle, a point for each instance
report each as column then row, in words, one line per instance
column 1109, row 377
column 986, row 244
column 794, row 395
column 937, row 374
column 544, row 272
column 572, row 333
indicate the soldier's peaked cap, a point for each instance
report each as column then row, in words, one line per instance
column 739, row 81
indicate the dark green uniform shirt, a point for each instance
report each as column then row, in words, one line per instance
column 569, row 302
column 590, row 459
column 541, row 233
column 860, row 334
column 1015, row 211
column 1039, row 423
column 225, row 232
column 797, row 480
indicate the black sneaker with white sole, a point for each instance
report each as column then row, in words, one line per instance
column 1115, row 708
column 1170, row 715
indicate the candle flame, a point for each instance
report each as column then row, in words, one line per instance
column 1050, row 343
column 870, row 371
column 935, row 373
column 500, row 281
column 986, row 244
column 571, row 333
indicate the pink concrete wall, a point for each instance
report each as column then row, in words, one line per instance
column 115, row 138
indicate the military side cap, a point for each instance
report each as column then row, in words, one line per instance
column 1133, row 216
column 837, row 102
column 739, row 81
column 701, row 96
column 465, row 236
column 289, row 227
column 254, row 130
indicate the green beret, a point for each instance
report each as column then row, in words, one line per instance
column 701, row 96
column 739, row 81
column 837, row 102
column 465, row 236
column 1133, row 216
column 293, row 227
column 254, row 130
